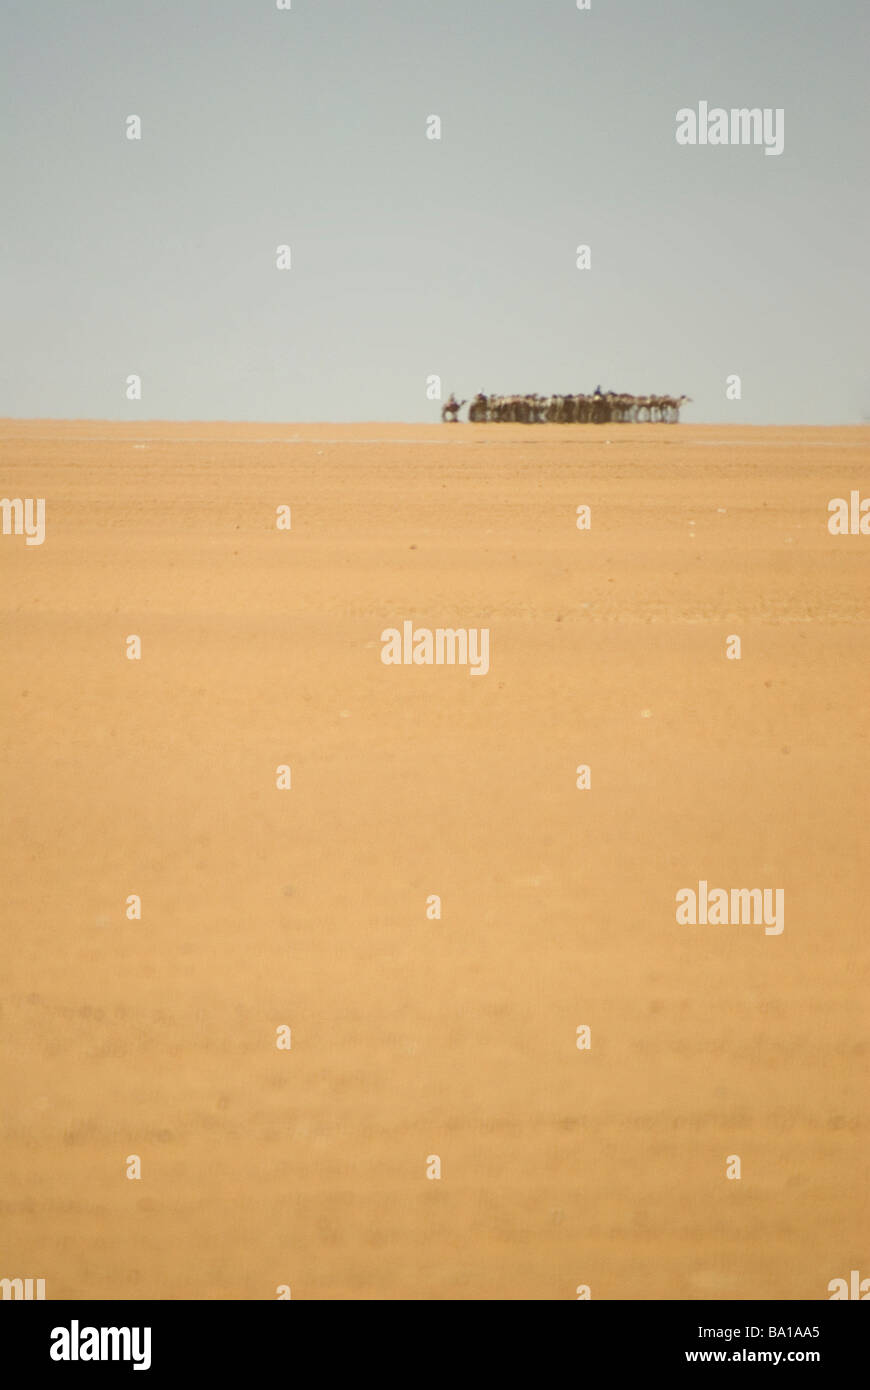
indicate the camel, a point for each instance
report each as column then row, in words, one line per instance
column 451, row 408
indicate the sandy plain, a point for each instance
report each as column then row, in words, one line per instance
column 307, row 907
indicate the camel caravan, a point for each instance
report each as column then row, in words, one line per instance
column 601, row 408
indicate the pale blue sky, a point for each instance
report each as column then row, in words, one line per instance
column 412, row 256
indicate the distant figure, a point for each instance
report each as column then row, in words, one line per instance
column 451, row 408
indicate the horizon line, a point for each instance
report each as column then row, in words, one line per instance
column 450, row 426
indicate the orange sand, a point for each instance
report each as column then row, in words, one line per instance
column 414, row 1037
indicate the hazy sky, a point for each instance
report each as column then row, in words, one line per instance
column 410, row 256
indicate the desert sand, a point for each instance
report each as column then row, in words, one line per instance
column 414, row 1037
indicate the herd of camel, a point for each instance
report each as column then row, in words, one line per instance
column 602, row 407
